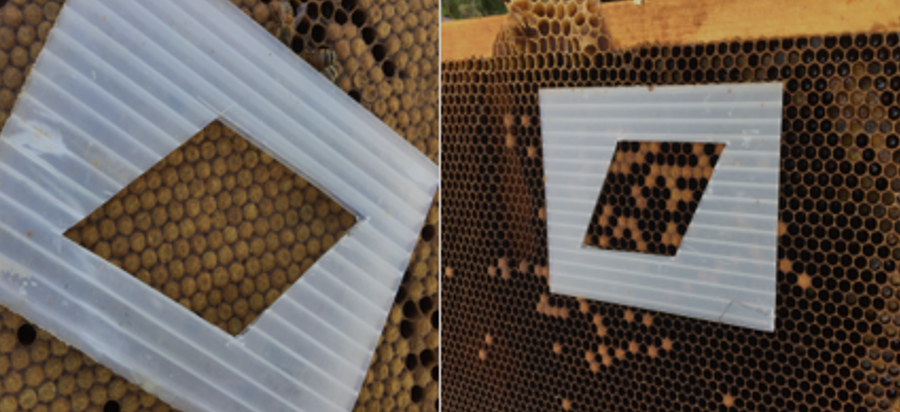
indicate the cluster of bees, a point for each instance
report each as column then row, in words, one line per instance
column 324, row 59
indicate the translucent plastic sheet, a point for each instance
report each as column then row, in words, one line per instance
column 725, row 269
column 119, row 85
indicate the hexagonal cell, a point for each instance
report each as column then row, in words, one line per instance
column 650, row 194
column 23, row 19
column 836, row 339
column 218, row 226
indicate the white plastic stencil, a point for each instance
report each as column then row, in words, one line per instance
column 122, row 83
column 725, row 268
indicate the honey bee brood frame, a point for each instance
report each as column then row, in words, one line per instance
column 510, row 345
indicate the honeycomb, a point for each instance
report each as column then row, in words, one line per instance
column 511, row 345
column 218, row 226
column 400, row 39
column 549, row 27
column 650, row 194
column 42, row 373
column 387, row 51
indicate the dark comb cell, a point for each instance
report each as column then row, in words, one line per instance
column 512, row 345
column 657, row 235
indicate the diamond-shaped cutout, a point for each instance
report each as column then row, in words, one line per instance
column 724, row 268
column 120, row 85
column 218, row 225
column 650, row 194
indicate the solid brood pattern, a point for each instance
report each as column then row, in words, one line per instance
column 25, row 25
column 218, row 226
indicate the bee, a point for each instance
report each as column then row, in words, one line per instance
column 320, row 58
column 288, row 20
column 522, row 19
column 324, row 60
column 290, row 13
column 331, row 72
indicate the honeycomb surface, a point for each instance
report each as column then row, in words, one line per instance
column 218, row 226
column 511, row 345
column 388, row 54
column 400, row 39
column 42, row 373
column 650, row 194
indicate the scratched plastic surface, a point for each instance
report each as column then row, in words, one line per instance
column 119, row 85
column 724, row 270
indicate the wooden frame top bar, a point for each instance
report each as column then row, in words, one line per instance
column 697, row 21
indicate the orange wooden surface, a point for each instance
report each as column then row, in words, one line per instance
column 461, row 39
column 697, row 21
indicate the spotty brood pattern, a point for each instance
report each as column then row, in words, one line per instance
column 650, row 194
column 511, row 345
